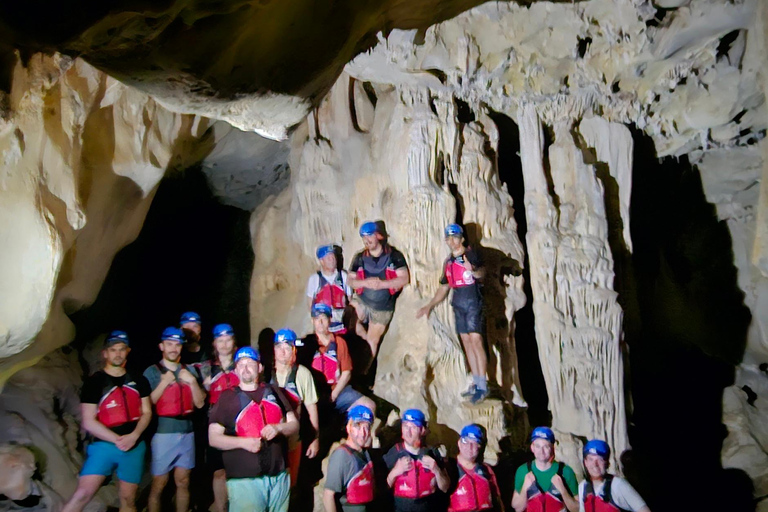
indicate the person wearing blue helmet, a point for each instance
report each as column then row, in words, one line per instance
column 193, row 353
column 116, row 410
column 462, row 271
column 544, row 484
column 251, row 424
column 329, row 286
column 473, row 482
column 417, row 474
column 377, row 274
column 349, row 479
column 176, row 394
column 601, row 491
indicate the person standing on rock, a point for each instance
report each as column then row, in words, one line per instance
column 417, row 474
column 377, row 274
column 221, row 377
column 251, row 424
column 544, row 484
column 329, row 286
column 299, row 388
column 603, row 492
column 349, row 480
column 461, row 272
column 116, row 409
column 473, row 483
column 176, row 393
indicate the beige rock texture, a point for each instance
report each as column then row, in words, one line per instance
column 81, row 155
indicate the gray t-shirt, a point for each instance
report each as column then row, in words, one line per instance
column 170, row 425
column 342, row 466
column 623, row 494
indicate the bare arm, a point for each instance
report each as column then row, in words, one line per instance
column 571, row 503
column 314, row 419
column 402, row 279
column 329, row 500
column 519, row 501
column 439, row 297
column 165, row 380
column 344, row 379
column 94, row 426
column 291, row 425
column 218, row 439
column 198, row 395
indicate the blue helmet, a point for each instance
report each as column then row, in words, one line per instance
column 360, row 413
column 247, row 352
column 285, row 336
column 544, row 433
column 472, row 433
column 173, row 334
column 116, row 337
column 321, row 309
column 368, row 229
column 223, row 330
column 415, row 416
column 190, row 316
column 453, row 230
column 324, row 250
column 597, row 447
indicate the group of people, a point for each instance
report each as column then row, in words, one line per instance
column 262, row 422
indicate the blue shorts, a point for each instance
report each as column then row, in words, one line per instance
column 102, row 458
column 172, row 451
column 346, row 398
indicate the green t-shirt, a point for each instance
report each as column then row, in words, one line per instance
column 544, row 478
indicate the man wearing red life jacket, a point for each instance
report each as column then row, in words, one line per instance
column 349, row 479
column 329, row 286
column 299, row 388
column 251, row 424
column 602, row 492
column 417, row 474
column 461, row 272
column 176, row 393
column 116, row 409
column 377, row 274
column 332, row 359
column 545, row 485
column 473, row 483
column 221, row 376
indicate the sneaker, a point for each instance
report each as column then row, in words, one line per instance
column 479, row 396
column 470, row 392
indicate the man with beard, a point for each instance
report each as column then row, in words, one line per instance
column 349, row 481
column 116, row 409
column 473, row 483
column 251, row 424
column 193, row 353
column 416, row 472
column 603, row 492
column 377, row 274
column 329, row 286
column 176, row 393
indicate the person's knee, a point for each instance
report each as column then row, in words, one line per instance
column 220, row 475
column 364, row 400
column 181, row 478
column 83, row 495
column 127, row 493
column 158, row 483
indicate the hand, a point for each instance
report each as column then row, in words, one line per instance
column 126, row 442
column 425, row 311
column 269, row 432
column 207, row 382
column 403, row 465
column 557, row 481
column 313, row 448
column 428, row 463
column 467, row 264
column 251, row 444
column 167, row 378
column 186, row 376
column 373, row 283
column 530, row 478
column 334, row 396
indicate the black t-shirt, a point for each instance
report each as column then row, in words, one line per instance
column 436, row 500
column 470, row 295
column 390, row 258
column 270, row 460
column 100, row 383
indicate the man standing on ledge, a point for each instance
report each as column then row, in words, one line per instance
column 176, row 393
column 461, row 271
column 602, row 492
column 545, row 485
column 116, row 410
column 377, row 274
column 251, row 424
column 329, row 286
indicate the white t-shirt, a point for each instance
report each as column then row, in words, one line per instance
column 622, row 494
column 313, row 283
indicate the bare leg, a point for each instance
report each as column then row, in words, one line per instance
column 87, row 485
column 481, row 358
column 220, row 490
column 469, row 350
column 127, row 493
column 359, row 325
column 181, row 477
column 156, row 491
column 375, row 333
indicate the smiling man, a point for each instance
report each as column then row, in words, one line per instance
column 603, row 492
column 473, row 482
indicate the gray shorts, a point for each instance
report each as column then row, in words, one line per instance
column 172, row 451
column 366, row 314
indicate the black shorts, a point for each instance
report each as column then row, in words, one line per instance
column 213, row 459
column 469, row 318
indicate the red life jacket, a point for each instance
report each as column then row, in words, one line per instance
column 290, row 388
column 474, row 490
column 596, row 503
column 550, row 500
column 119, row 404
column 389, row 273
column 416, row 483
column 457, row 274
column 330, row 293
column 361, row 486
column 221, row 380
column 176, row 400
column 328, row 363
column 255, row 415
